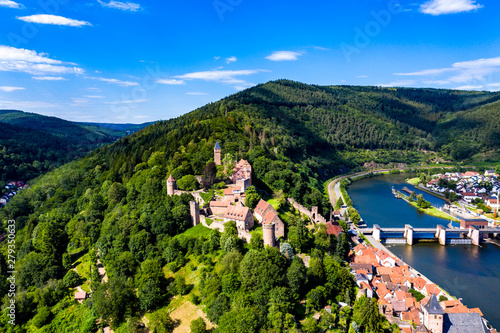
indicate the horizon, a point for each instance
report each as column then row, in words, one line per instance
column 264, row 83
column 141, row 61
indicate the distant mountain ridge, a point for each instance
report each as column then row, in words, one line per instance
column 33, row 144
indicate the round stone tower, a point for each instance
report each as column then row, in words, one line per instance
column 171, row 185
column 217, row 152
column 268, row 234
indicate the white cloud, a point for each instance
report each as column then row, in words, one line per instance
column 21, row 60
column 53, row 19
column 461, row 72
column 284, row 56
column 170, row 81
column 197, row 93
column 93, row 96
column 125, row 6
column 240, row 88
column 437, row 71
column 469, row 87
column 115, row 81
column 496, row 84
column 439, row 82
column 10, row 89
column 10, row 4
column 321, row 48
column 132, row 101
column 362, row 76
column 49, row 78
column 400, row 83
column 231, row 59
column 438, row 7
column 226, row 76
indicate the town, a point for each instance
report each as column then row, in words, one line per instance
column 471, row 187
column 10, row 190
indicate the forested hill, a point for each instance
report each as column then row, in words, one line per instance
column 294, row 135
column 31, row 144
column 456, row 123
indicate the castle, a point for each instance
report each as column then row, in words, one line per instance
column 231, row 207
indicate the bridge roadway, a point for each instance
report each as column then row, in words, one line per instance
column 427, row 230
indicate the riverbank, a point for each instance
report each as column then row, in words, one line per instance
column 432, row 211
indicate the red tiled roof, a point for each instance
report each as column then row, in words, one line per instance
column 261, row 206
column 171, row 179
column 269, row 217
column 219, row 203
column 333, row 228
column 236, row 213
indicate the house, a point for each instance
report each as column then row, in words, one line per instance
column 368, row 268
column 263, row 207
column 432, row 183
column 489, row 173
column 463, row 322
column 492, row 203
column 469, row 196
column 80, row 296
column 385, row 259
column 242, row 170
column 272, row 218
column 333, row 228
column 481, row 224
column 470, row 174
column 219, row 207
column 241, row 215
column 4, row 199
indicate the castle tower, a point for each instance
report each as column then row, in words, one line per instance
column 268, row 234
column 195, row 212
column 433, row 315
column 217, row 152
column 171, row 185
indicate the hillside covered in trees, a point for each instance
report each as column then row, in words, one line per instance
column 32, row 144
column 112, row 205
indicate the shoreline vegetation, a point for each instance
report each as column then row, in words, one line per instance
column 432, row 211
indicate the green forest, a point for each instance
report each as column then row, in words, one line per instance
column 111, row 206
column 32, row 144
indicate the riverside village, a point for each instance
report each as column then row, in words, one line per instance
column 405, row 297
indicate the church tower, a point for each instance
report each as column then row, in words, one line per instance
column 433, row 315
column 171, row 185
column 217, row 152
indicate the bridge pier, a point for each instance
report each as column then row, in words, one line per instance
column 376, row 232
column 441, row 234
column 474, row 235
column 408, row 234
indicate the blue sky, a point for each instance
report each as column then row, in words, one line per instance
column 118, row 61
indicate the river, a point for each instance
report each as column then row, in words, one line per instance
column 465, row 271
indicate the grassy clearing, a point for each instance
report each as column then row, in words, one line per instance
column 434, row 212
column 274, row 203
column 413, row 181
column 199, row 231
column 82, row 266
column 208, row 221
column 186, row 313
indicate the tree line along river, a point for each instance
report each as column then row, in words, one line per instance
column 465, row 271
